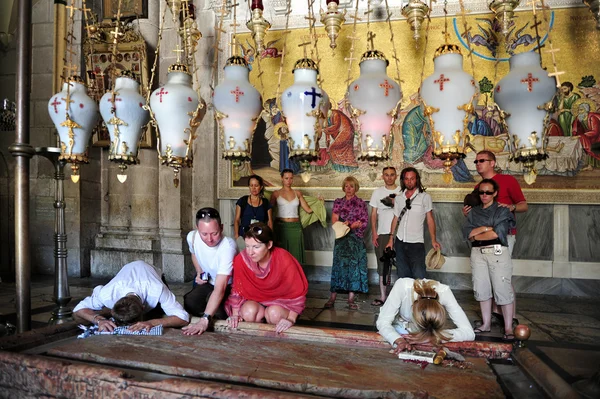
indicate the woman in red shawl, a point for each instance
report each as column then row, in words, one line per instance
column 268, row 283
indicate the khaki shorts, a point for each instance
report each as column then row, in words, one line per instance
column 492, row 275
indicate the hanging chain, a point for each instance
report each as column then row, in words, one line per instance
column 285, row 33
column 219, row 30
column 425, row 47
column 392, row 39
column 314, row 40
column 352, row 38
column 466, row 27
column 556, row 73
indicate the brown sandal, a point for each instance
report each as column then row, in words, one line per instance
column 328, row 305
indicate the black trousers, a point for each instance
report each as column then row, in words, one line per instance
column 194, row 302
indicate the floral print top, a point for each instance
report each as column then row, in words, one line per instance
column 351, row 210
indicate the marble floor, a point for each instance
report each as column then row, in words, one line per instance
column 565, row 331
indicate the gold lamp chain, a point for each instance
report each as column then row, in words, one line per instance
column 352, row 38
column 536, row 24
column 396, row 59
column 151, row 83
column 552, row 50
column 426, row 41
column 69, row 68
column 466, row 27
column 219, row 30
column 285, row 34
column 115, row 41
column 314, row 39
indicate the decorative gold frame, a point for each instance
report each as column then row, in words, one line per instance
column 131, row 55
column 129, row 9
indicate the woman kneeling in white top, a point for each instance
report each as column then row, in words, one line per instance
column 416, row 312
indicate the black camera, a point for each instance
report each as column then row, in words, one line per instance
column 389, row 255
column 387, row 201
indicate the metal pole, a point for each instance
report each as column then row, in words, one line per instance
column 62, row 295
column 22, row 151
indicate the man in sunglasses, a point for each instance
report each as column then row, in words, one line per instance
column 212, row 256
column 509, row 196
column 136, row 290
column 412, row 207
column 382, row 213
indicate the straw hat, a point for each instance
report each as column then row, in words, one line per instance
column 434, row 259
column 340, row 229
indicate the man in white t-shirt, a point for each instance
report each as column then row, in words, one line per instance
column 136, row 290
column 411, row 208
column 382, row 214
column 212, row 255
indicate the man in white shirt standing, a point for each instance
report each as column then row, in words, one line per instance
column 411, row 208
column 212, row 256
column 382, row 214
column 135, row 290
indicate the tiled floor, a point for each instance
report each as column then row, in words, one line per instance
column 565, row 331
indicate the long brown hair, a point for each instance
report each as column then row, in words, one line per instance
column 429, row 315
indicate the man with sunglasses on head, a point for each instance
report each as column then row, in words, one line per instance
column 212, row 256
column 136, row 290
column 509, row 196
column 412, row 207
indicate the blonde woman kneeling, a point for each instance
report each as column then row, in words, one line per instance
column 416, row 312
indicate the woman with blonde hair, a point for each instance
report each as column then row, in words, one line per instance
column 416, row 312
column 349, row 269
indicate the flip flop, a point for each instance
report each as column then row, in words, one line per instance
column 328, row 304
column 508, row 337
column 479, row 330
column 377, row 302
column 352, row 305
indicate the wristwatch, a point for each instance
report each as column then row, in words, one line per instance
column 206, row 316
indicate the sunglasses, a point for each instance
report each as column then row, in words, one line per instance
column 211, row 213
column 256, row 230
column 408, row 203
column 481, row 161
column 486, row 192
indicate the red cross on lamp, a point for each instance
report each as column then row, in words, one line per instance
column 525, row 96
column 237, row 104
column 448, row 96
column 125, row 117
column 177, row 111
column 374, row 99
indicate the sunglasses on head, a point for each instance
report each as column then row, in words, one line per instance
column 408, row 203
column 211, row 213
column 486, row 192
column 480, row 161
column 256, row 230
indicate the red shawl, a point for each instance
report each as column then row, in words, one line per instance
column 283, row 283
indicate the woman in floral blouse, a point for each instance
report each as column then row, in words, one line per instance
column 349, row 270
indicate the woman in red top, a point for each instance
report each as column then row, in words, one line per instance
column 268, row 283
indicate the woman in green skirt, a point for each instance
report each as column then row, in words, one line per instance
column 288, row 228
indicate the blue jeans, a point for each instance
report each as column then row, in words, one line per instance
column 410, row 259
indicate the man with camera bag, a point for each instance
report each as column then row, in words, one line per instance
column 412, row 206
column 382, row 213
